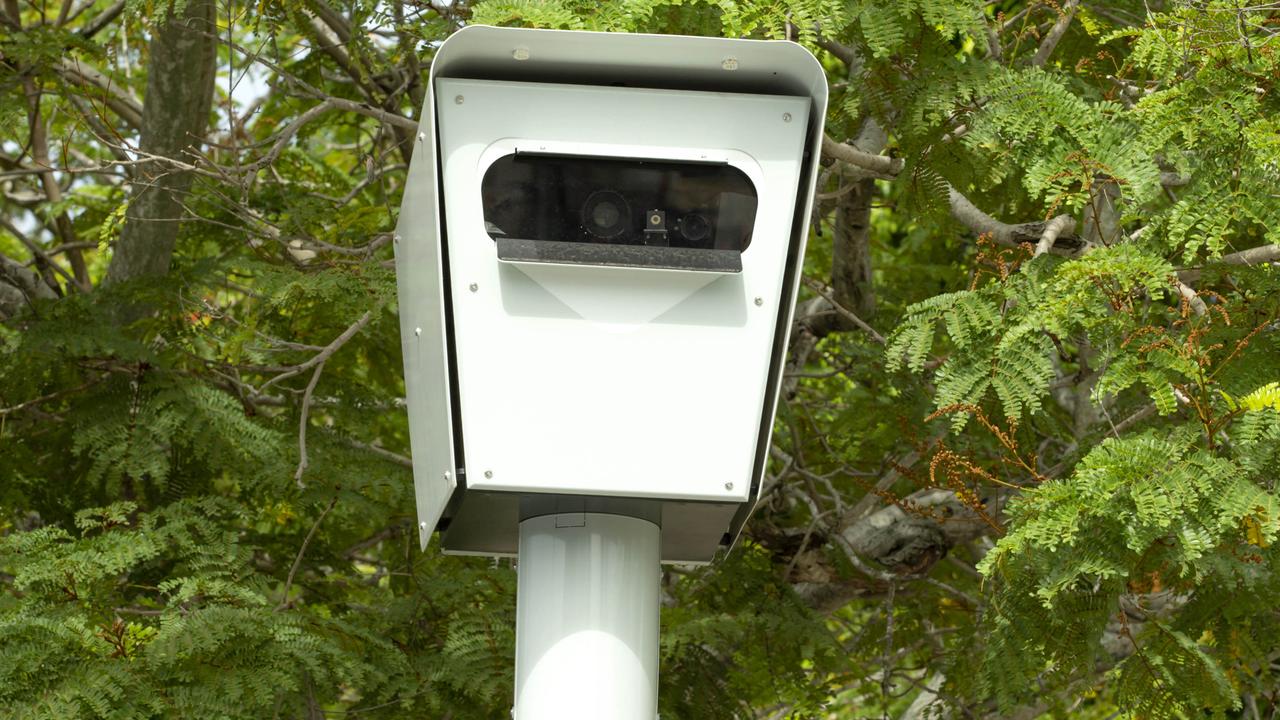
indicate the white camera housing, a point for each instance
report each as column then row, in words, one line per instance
column 560, row 358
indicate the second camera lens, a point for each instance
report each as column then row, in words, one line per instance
column 695, row 227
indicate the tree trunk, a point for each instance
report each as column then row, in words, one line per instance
column 175, row 115
column 851, row 256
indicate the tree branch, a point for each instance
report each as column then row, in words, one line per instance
column 1005, row 234
column 1253, row 256
column 102, row 19
column 43, row 261
column 1193, row 299
column 19, row 286
column 297, row 561
column 1050, row 41
column 323, row 355
column 304, row 415
column 1057, row 226
column 77, row 72
column 887, row 168
column 844, row 312
column 878, row 166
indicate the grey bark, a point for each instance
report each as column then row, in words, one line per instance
column 1064, row 243
column 1101, row 217
column 851, row 257
column 175, row 115
column 19, row 286
column 911, row 543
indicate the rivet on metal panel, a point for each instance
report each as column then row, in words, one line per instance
column 447, row 475
column 786, row 117
column 730, row 64
column 422, row 137
column 488, row 474
column 474, row 287
column 395, row 238
column 728, row 486
column 520, row 53
column 422, row 526
column 458, row 100
column 759, row 301
column 417, row 331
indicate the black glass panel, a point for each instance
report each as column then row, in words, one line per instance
column 547, row 200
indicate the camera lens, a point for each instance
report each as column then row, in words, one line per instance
column 605, row 213
column 695, row 227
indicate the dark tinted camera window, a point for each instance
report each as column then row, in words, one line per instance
column 618, row 202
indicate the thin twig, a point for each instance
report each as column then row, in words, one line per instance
column 304, row 415
column 51, row 396
column 844, row 312
column 297, row 561
column 323, row 355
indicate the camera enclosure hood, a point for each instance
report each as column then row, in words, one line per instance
column 597, row 256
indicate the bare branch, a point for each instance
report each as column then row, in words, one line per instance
column 19, row 286
column 288, row 134
column 1193, row 299
column 844, row 312
column 43, row 261
column 1142, row 414
column 304, row 416
column 51, row 396
column 323, row 355
column 297, row 561
column 1253, row 256
column 1066, row 13
column 1005, row 234
column 877, row 166
column 78, row 72
column 1057, row 226
column 39, row 143
column 334, row 19
column 884, row 167
column 102, row 19
column 382, row 452
column 367, row 110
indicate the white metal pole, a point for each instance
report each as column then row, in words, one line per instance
column 587, row 618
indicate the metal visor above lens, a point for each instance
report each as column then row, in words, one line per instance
column 600, row 211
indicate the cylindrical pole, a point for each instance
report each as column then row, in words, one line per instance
column 587, row 618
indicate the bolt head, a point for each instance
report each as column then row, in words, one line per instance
column 786, row 117
column 422, row 137
column 458, row 100
column 474, row 287
column 488, row 474
column 520, row 53
column 728, row 486
column 417, row 331
column 730, row 63
column 422, row 526
column 448, row 475
column 395, row 238
column 759, row 301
